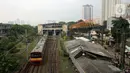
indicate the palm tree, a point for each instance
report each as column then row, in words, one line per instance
column 120, row 25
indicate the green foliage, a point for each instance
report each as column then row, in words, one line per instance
column 3, row 44
column 64, row 53
column 66, row 64
column 35, row 29
column 120, row 23
column 71, row 23
column 120, row 26
column 63, row 34
column 18, row 30
column 80, row 21
column 62, row 22
column 107, row 32
column 12, row 38
column 65, row 37
column 10, row 45
column 16, row 34
column 14, row 50
column 8, row 64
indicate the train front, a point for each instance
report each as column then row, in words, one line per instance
column 36, row 58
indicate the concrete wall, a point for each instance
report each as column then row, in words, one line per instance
column 65, row 28
column 40, row 29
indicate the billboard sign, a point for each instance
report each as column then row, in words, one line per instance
column 120, row 9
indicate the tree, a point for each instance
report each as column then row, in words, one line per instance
column 16, row 30
column 3, row 44
column 107, row 32
column 121, row 27
column 16, row 34
column 80, row 21
column 62, row 22
column 118, row 25
column 105, row 24
column 71, row 23
column 8, row 64
column 36, row 29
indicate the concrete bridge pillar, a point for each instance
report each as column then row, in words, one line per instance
column 54, row 32
column 47, row 32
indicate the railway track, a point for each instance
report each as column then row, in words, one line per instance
column 50, row 59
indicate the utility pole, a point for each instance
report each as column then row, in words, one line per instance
column 26, row 43
column 123, row 50
column 117, row 31
column 102, row 35
column 117, row 47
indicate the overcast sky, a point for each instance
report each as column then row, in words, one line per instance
column 39, row 11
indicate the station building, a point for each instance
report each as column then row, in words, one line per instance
column 50, row 29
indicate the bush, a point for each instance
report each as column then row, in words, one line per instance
column 8, row 64
column 66, row 54
column 10, row 45
column 14, row 50
column 12, row 38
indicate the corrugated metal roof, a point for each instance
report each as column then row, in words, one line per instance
column 96, row 66
column 71, row 45
column 87, row 46
column 96, row 48
column 82, row 38
column 85, row 64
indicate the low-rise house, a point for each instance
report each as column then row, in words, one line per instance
column 4, row 28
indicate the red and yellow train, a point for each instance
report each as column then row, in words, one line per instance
column 36, row 55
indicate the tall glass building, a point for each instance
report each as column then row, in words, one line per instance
column 87, row 12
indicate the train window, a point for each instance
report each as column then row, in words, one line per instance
column 36, row 55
